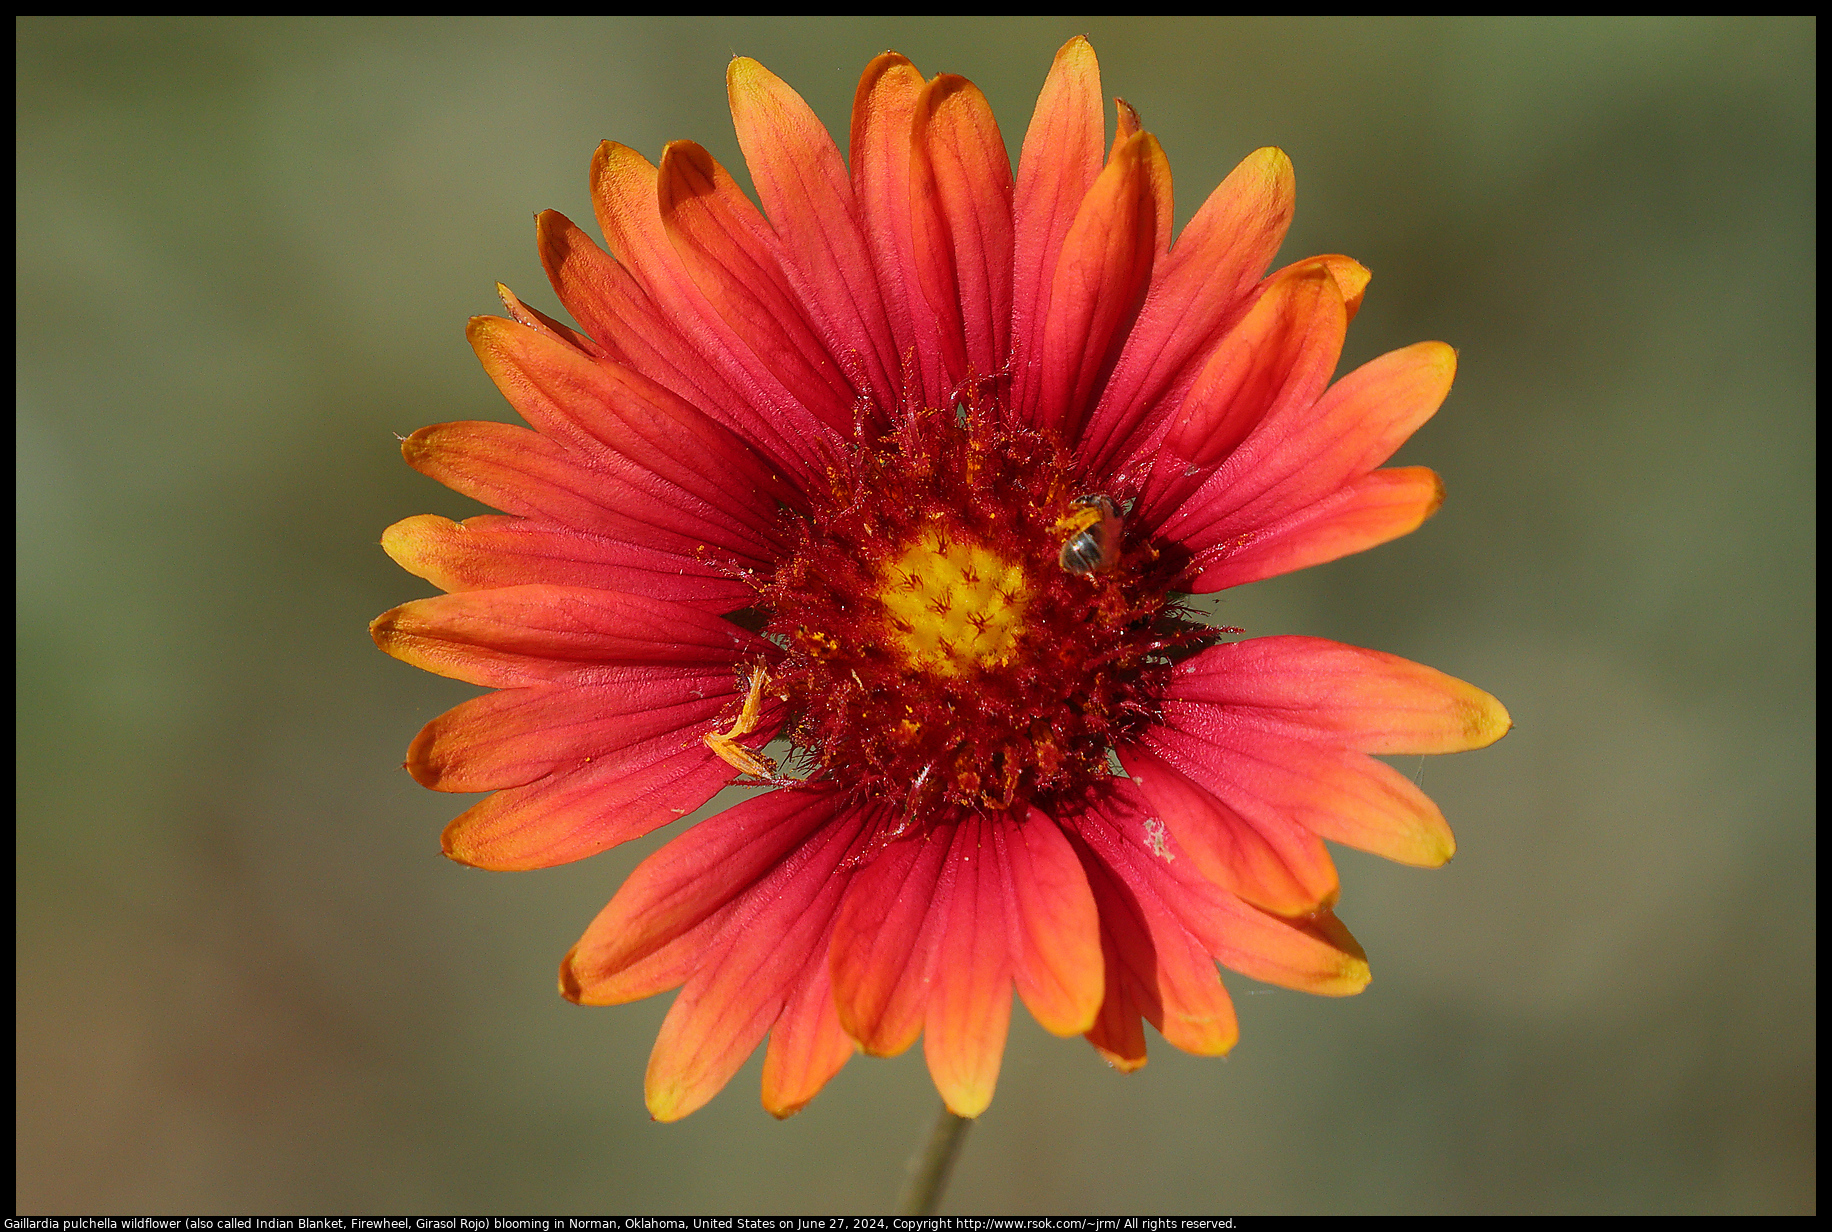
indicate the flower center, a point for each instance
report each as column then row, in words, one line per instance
column 955, row 604
column 965, row 622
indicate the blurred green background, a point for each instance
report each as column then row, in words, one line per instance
column 247, row 981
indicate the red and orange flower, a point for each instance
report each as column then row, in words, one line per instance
column 908, row 474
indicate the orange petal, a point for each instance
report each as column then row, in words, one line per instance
column 962, row 223
column 1157, row 968
column 883, row 117
column 1055, row 943
column 969, row 1003
column 552, row 634
column 485, row 553
column 1203, row 285
column 539, row 321
column 526, row 473
column 1098, row 283
column 1312, row 954
column 695, row 876
column 1359, row 699
column 1279, row 357
column 1333, row 792
column 803, row 184
column 1061, row 158
column 1270, row 860
column 625, row 422
column 749, row 975
column 1375, row 509
column 625, row 188
column 514, row 736
column 729, row 251
column 885, row 942
column 807, row 1045
column 579, row 812
column 604, row 297
column 1303, row 454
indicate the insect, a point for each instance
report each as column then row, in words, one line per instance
column 726, row 745
column 1093, row 527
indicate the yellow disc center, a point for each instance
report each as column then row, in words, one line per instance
column 953, row 605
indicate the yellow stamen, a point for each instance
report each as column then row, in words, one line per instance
column 726, row 745
column 953, row 605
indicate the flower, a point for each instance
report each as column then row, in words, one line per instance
column 908, row 473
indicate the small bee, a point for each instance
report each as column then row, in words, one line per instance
column 1093, row 527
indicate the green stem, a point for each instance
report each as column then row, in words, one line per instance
column 931, row 1165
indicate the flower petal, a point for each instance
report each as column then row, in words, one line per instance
column 1303, row 454
column 1263, row 857
column 1156, row 968
column 576, row 813
column 695, row 877
column 514, row 736
column 1055, row 942
column 749, row 974
column 962, row 224
column 883, row 117
column 1313, row 954
column 625, row 189
column 1333, row 792
column 803, row 185
column 885, row 941
column 1099, row 284
column 807, row 1045
column 1375, row 509
column 1061, row 158
column 729, row 251
column 1197, row 292
column 520, row 635
column 526, row 473
column 1279, row 357
column 605, row 297
column 610, row 413
column 485, row 553
column 1355, row 698
column 969, row 1003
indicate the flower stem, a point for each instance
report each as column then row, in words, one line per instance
column 930, row 1166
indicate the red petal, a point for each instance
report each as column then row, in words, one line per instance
column 611, row 414
column 1098, row 284
column 969, row 1005
column 1334, row 792
column 1062, row 157
column 883, row 117
column 578, row 813
column 962, row 224
column 1279, row 357
column 728, row 250
column 526, row 473
column 1378, row 507
column 1156, row 968
column 1055, row 939
column 625, row 187
column 604, row 297
column 803, row 184
column 1262, row 856
column 807, row 1045
column 1314, row 954
column 1198, row 291
column 748, row 975
column 553, row 634
column 486, row 553
column 885, row 941
column 694, row 877
column 1303, row 454
column 515, row 736
column 1359, row 699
